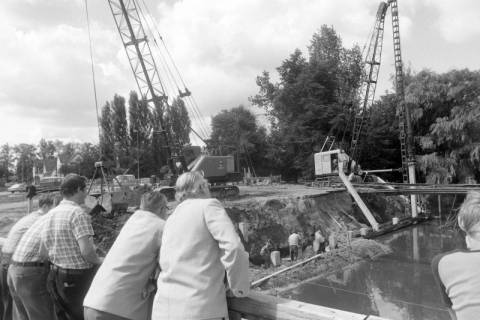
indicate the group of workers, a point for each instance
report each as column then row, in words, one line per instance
column 182, row 267
column 296, row 242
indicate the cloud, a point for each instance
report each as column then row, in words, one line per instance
column 219, row 46
column 458, row 21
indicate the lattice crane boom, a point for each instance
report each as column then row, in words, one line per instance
column 142, row 63
column 372, row 62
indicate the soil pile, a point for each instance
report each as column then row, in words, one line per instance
column 276, row 218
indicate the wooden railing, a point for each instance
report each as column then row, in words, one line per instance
column 259, row 306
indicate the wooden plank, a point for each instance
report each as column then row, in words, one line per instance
column 299, row 264
column 261, row 306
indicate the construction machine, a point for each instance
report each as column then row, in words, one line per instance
column 360, row 112
column 218, row 170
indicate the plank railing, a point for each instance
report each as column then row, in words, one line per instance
column 259, row 306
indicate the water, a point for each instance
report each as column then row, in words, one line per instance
column 397, row 286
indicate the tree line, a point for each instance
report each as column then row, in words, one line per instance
column 308, row 102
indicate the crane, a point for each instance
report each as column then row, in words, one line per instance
column 128, row 20
column 366, row 94
column 361, row 115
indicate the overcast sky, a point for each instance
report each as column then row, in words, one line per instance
column 220, row 46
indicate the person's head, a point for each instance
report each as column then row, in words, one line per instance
column 155, row 202
column 191, row 185
column 46, row 202
column 469, row 219
column 73, row 188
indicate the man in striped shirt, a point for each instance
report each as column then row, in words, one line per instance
column 68, row 239
column 45, row 203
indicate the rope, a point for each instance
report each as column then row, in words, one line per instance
column 168, row 62
column 92, row 62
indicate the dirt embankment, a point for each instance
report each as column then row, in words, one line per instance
column 275, row 218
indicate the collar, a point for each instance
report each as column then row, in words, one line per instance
column 69, row 202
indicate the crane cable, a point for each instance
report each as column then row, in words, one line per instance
column 92, row 63
column 150, row 23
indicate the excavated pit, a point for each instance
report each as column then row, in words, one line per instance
column 273, row 212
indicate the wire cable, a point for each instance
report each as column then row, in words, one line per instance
column 92, row 62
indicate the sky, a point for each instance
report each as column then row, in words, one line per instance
column 219, row 46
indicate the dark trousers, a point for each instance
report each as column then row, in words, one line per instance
column 5, row 293
column 28, row 286
column 293, row 252
column 68, row 288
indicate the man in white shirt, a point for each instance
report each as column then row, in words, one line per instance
column 45, row 203
column 293, row 243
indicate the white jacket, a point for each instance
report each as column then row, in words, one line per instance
column 121, row 280
column 200, row 248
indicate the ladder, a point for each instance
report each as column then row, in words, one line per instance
column 403, row 117
column 328, row 143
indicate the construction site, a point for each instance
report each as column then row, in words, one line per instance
column 381, row 235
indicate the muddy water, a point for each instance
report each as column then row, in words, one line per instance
column 397, row 286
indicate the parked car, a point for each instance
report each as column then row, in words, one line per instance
column 17, row 187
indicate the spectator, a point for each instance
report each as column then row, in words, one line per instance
column 123, row 287
column 265, row 253
column 457, row 272
column 68, row 238
column 200, row 250
column 45, row 203
column 27, row 275
column 293, row 243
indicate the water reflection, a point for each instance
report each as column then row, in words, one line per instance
column 397, row 286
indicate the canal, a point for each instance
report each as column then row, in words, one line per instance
column 396, row 286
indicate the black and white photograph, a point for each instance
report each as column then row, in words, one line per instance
column 255, row 159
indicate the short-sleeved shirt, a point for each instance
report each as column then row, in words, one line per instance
column 29, row 249
column 294, row 239
column 16, row 233
column 64, row 227
column 458, row 275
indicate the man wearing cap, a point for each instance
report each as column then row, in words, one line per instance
column 68, row 239
column 27, row 274
column 45, row 203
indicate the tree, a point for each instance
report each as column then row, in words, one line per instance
column 236, row 131
column 140, row 129
column 381, row 144
column 445, row 111
column 88, row 154
column 159, row 144
column 46, row 150
column 119, row 129
column 107, row 135
column 25, row 156
column 307, row 103
column 6, row 160
column 177, row 123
